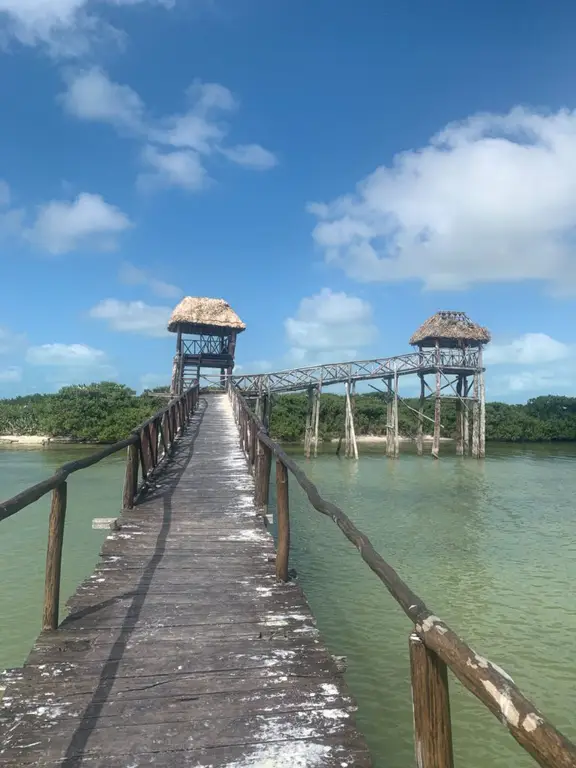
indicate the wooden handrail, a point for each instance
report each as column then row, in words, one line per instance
column 143, row 446
column 488, row 682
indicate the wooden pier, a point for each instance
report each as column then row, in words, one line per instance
column 182, row 649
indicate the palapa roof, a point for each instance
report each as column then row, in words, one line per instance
column 450, row 328
column 202, row 311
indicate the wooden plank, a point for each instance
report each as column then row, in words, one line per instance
column 182, row 648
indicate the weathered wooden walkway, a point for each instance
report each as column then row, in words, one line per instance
column 182, row 649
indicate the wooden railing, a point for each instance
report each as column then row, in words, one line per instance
column 433, row 646
column 149, row 446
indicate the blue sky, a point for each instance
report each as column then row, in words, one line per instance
column 337, row 171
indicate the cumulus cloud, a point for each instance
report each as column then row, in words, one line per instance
column 64, row 27
column 133, row 317
column 69, row 355
column 86, row 222
column 251, row 156
column 489, row 199
column 529, row 349
column 329, row 326
column 132, row 275
column 91, row 95
column 175, row 147
column 182, row 169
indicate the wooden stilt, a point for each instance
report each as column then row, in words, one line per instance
column 420, row 432
column 351, row 446
column 459, row 419
column 482, row 424
column 396, row 444
column 476, row 419
column 309, row 417
column 354, row 445
column 389, row 418
column 437, row 407
column 317, row 396
column 466, row 416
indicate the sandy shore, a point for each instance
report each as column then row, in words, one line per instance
column 382, row 439
column 24, row 440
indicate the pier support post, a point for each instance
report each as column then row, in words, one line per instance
column 420, row 428
column 389, row 418
column 466, row 416
column 482, row 425
column 351, row 446
column 432, row 725
column 396, row 443
column 309, row 421
column 476, row 419
column 317, row 400
column 437, row 407
column 459, row 418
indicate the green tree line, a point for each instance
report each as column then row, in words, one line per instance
column 107, row 412
column 103, row 412
column 543, row 418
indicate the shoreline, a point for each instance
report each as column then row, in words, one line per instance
column 39, row 441
column 382, row 439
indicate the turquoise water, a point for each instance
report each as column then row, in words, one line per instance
column 489, row 546
column 94, row 492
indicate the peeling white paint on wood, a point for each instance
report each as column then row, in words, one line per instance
column 504, row 702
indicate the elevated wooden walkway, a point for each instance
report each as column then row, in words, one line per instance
column 182, row 649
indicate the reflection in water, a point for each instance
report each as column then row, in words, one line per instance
column 490, row 548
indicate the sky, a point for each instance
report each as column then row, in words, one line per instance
column 336, row 171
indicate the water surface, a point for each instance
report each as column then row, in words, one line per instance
column 488, row 545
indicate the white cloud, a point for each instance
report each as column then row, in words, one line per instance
column 64, row 27
column 529, row 349
column 133, row 317
column 538, row 382
column 329, row 326
column 11, row 374
column 251, row 156
column 488, row 199
column 87, row 222
column 71, row 363
column 67, row 355
column 173, row 169
column 131, row 275
column 176, row 147
column 91, row 95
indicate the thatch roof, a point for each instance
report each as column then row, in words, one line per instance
column 202, row 311
column 450, row 328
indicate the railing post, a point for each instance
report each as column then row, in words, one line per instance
column 263, row 466
column 131, row 477
column 282, row 522
column 54, row 557
column 252, row 444
column 432, row 725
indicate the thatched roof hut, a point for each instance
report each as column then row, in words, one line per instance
column 201, row 315
column 450, row 329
